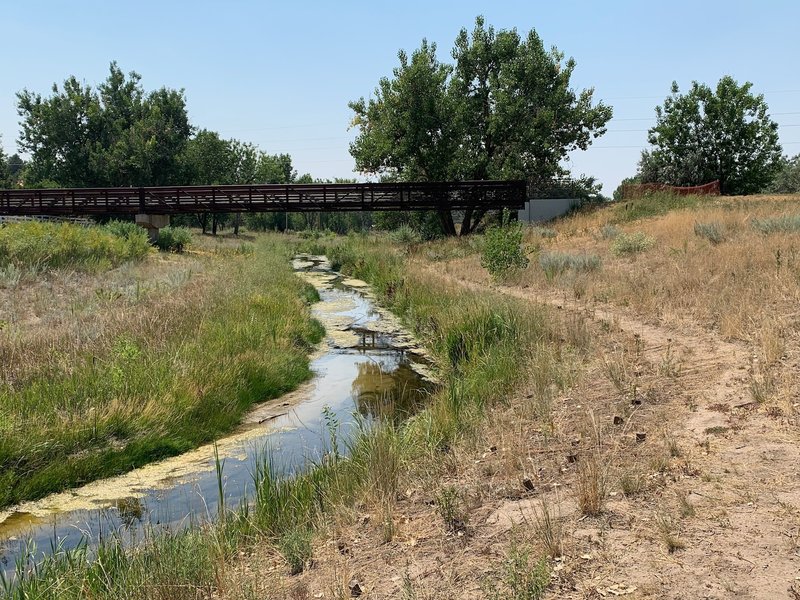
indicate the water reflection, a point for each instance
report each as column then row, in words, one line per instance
column 392, row 394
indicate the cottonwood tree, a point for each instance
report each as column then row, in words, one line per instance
column 115, row 135
column 504, row 109
column 703, row 135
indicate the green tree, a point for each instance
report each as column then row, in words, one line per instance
column 5, row 173
column 787, row 181
column 114, row 135
column 208, row 160
column 505, row 109
column 706, row 134
column 59, row 132
column 16, row 167
column 407, row 130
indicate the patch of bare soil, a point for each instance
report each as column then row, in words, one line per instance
column 669, row 470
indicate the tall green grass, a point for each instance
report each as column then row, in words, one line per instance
column 58, row 245
column 163, row 387
column 654, row 205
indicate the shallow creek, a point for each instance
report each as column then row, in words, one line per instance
column 366, row 368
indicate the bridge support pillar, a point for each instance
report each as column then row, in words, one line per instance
column 152, row 223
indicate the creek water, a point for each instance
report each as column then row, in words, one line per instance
column 367, row 368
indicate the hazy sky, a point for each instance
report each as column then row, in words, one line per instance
column 280, row 74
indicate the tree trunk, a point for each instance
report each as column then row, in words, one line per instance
column 446, row 221
column 472, row 219
column 236, row 220
column 213, row 224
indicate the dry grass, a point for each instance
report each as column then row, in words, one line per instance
column 684, row 278
column 590, row 486
column 73, row 313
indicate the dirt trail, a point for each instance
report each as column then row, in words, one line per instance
column 735, row 503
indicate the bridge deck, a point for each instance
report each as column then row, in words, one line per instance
column 265, row 198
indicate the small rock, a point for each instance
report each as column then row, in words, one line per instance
column 355, row 588
column 641, row 436
column 528, row 484
column 493, row 449
column 618, row 420
column 572, row 458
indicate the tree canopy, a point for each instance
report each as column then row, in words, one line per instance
column 706, row 134
column 115, row 135
column 504, row 109
column 5, row 174
column 787, row 180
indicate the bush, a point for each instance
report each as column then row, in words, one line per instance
column 784, row 224
column 555, row 263
column 714, row 232
column 632, row 243
column 174, row 239
column 405, row 235
column 502, row 252
column 609, row 232
column 125, row 229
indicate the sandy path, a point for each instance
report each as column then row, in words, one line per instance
column 741, row 528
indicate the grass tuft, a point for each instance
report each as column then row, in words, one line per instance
column 556, row 263
column 590, row 486
column 628, row 244
column 782, row 224
column 713, row 231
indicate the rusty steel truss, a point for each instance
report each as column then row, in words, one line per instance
column 307, row 197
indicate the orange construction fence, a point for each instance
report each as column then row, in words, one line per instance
column 636, row 190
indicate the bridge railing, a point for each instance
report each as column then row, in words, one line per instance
column 265, row 198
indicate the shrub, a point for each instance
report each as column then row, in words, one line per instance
column 125, row 229
column 405, row 235
column 502, row 252
column 632, row 243
column 555, row 263
column 784, row 224
column 609, row 232
column 714, row 232
column 174, row 239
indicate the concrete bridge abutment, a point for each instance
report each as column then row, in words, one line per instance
column 152, row 223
